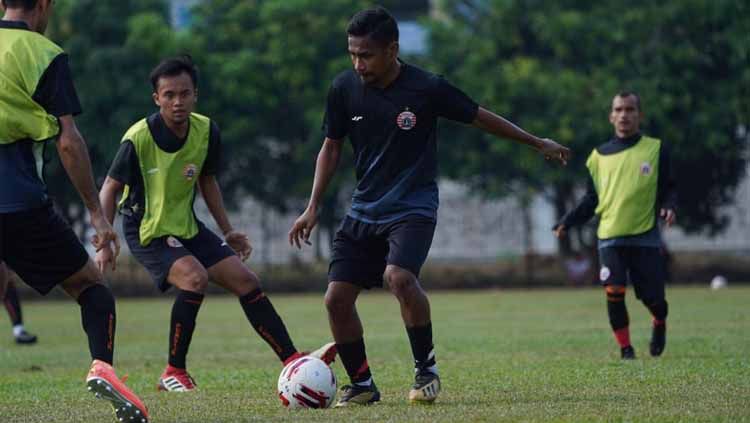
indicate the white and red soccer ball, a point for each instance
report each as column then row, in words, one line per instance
column 307, row 382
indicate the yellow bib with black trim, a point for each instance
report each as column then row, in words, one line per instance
column 24, row 57
column 626, row 184
column 169, row 179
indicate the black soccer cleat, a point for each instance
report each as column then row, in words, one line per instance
column 353, row 395
column 25, row 338
column 426, row 387
column 627, row 353
column 658, row 340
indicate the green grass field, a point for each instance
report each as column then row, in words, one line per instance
column 543, row 355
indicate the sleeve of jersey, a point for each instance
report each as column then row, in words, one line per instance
column 585, row 209
column 335, row 121
column 667, row 187
column 213, row 158
column 452, row 103
column 56, row 91
column 125, row 167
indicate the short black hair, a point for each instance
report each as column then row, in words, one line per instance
column 23, row 4
column 626, row 93
column 174, row 66
column 376, row 23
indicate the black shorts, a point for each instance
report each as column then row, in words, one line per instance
column 362, row 250
column 161, row 253
column 40, row 246
column 643, row 267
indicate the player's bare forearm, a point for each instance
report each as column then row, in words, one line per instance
column 501, row 127
column 108, row 197
column 74, row 156
column 211, row 192
column 325, row 167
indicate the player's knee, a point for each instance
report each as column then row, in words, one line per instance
column 338, row 304
column 247, row 283
column 195, row 281
column 615, row 293
column 400, row 282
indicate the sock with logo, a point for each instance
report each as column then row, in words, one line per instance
column 181, row 326
column 266, row 321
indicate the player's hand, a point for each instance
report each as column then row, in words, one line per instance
column 239, row 243
column 303, row 227
column 554, row 151
column 105, row 258
column 560, row 231
column 668, row 215
column 105, row 236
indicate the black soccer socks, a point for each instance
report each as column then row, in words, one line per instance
column 181, row 326
column 422, row 348
column 618, row 314
column 98, row 320
column 263, row 317
column 13, row 305
column 355, row 361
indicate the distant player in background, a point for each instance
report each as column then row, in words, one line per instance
column 37, row 103
column 630, row 186
column 13, row 307
column 161, row 161
column 389, row 110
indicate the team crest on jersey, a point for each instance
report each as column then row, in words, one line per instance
column 406, row 120
column 173, row 242
column 645, row 168
column 189, row 171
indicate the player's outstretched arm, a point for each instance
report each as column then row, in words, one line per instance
column 74, row 156
column 211, row 192
column 501, row 127
column 325, row 167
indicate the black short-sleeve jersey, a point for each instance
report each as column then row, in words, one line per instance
column 393, row 132
column 126, row 169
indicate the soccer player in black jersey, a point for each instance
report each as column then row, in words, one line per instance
column 389, row 111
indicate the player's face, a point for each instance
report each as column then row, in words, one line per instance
column 176, row 97
column 371, row 61
column 625, row 116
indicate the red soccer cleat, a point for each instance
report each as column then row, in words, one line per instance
column 104, row 384
column 176, row 380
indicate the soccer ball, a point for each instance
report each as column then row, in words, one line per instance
column 718, row 282
column 307, row 382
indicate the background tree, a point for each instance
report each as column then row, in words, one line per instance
column 112, row 48
column 554, row 70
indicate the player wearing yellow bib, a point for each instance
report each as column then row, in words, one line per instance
column 37, row 103
column 161, row 161
column 630, row 185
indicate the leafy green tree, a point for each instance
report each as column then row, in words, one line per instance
column 112, row 48
column 267, row 69
column 554, row 66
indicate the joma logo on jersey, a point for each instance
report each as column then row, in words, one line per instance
column 189, row 171
column 406, row 120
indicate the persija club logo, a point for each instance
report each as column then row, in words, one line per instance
column 406, row 120
column 189, row 171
